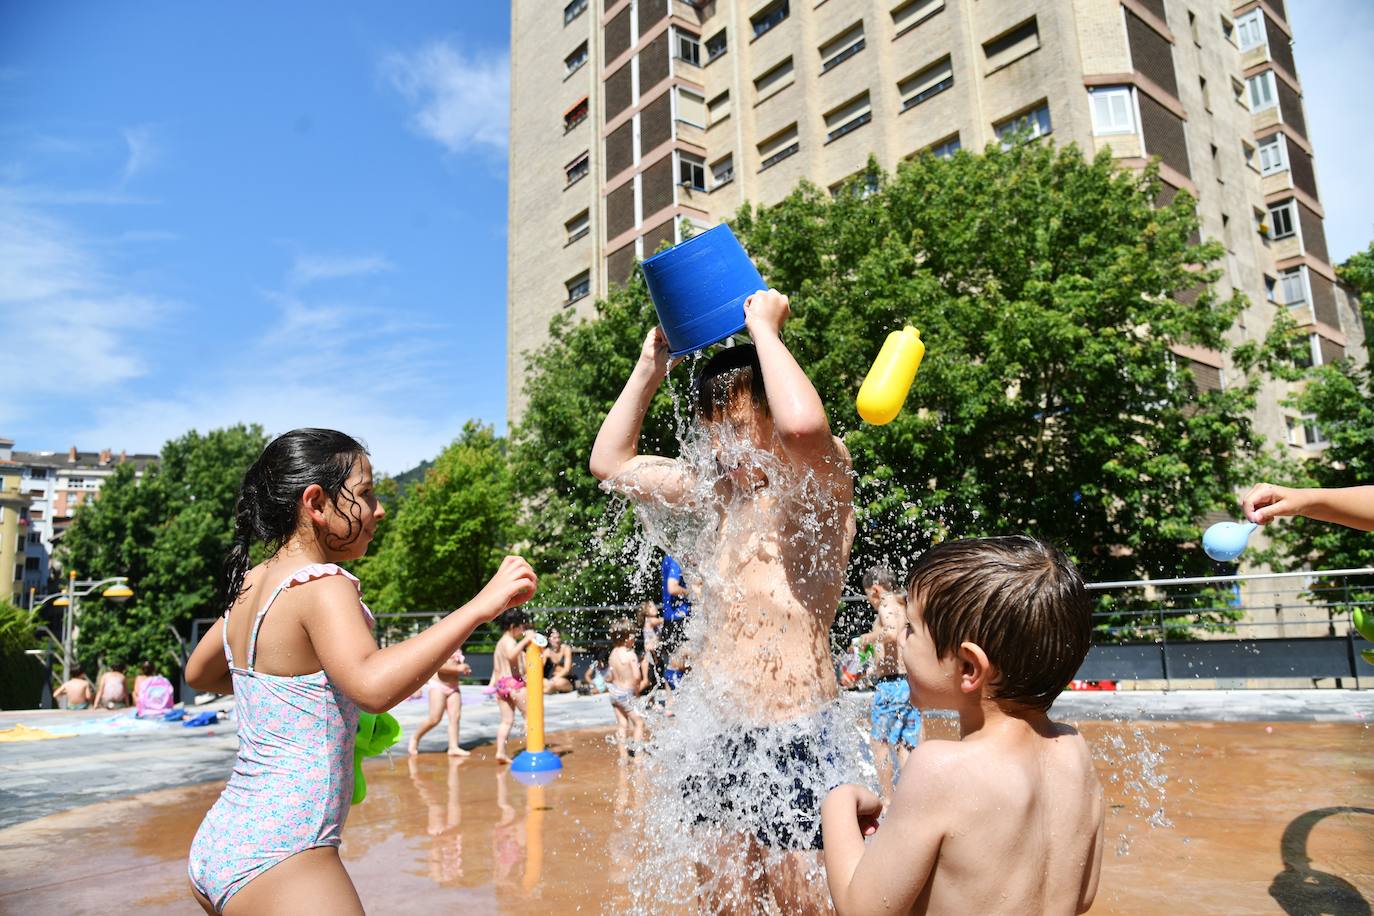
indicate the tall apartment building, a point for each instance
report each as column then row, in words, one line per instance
column 631, row 117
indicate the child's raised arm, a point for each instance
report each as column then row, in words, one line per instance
column 615, row 454
column 798, row 414
column 1352, row 507
column 377, row 679
column 888, row 874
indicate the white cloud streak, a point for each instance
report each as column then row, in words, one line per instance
column 462, row 102
column 308, row 269
column 144, row 150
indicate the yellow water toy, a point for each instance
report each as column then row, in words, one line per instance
column 535, row 765
column 885, row 387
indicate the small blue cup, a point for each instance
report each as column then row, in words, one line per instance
column 699, row 287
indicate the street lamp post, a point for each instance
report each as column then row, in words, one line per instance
column 116, row 589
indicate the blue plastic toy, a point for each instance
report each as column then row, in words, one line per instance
column 699, row 287
column 1225, row 541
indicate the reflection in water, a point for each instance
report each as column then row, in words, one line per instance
column 445, row 822
column 507, row 839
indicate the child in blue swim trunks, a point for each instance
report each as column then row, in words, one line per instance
column 895, row 723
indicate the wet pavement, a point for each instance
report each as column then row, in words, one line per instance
column 1204, row 817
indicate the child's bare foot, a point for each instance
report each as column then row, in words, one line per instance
column 458, row 752
column 414, row 745
column 502, row 758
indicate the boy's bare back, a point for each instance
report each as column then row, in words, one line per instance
column 625, row 669
column 999, row 823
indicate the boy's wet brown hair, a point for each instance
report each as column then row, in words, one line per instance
column 726, row 380
column 1019, row 599
column 621, row 630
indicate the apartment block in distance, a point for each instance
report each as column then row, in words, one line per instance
column 631, row 118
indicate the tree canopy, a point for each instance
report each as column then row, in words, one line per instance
column 1051, row 290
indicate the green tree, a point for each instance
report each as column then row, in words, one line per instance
column 168, row 532
column 444, row 537
column 1358, row 271
column 1051, row 291
column 21, row 675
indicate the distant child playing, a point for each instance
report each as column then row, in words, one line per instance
column 301, row 673
column 1009, row 818
column 78, row 690
column 777, row 497
column 895, row 725
column 625, row 683
column 507, row 669
column 445, row 695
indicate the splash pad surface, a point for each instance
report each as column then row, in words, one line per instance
column 1250, row 807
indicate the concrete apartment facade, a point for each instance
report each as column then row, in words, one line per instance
column 631, row 117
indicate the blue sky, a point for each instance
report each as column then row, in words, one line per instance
column 288, row 213
column 294, row 213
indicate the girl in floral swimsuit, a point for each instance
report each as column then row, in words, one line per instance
column 300, row 674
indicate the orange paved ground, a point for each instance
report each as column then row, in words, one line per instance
column 1243, row 801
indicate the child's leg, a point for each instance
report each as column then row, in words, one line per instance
column 798, row 884
column 313, row 881
column 729, row 878
column 622, row 724
column 638, row 721
column 454, row 705
column 436, row 712
column 507, row 706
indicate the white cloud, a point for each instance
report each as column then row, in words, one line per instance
column 144, row 150
column 76, row 326
column 307, row 269
column 463, row 101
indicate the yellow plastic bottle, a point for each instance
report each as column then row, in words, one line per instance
column 885, row 387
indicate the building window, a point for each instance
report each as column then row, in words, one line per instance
column 848, row 117
column 573, row 10
column 1293, row 287
column 907, row 16
column 929, row 82
column 1303, row 432
column 31, row 564
column 1281, row 221
column 715, row 46
column 1247, row 152
column 718, row 109
column 1035, row 123
column 1113, row 110
column 778, row 147
column 38, row 473
column 722, row 171
column 575, row 115
column 578, row 226
column 1013, row 45
column 579, row 287
column 1273, row 154
column 1228, row 30
column 578, row 168
column 1206, row 96
column 769, row 17
column 691, row 171
column 861, row 186
column 1250, row 30
column 775, row 80
column 1262, row 92
column 1238, row 91
column 574, row 61
column 691, row 107
column 35, row 537
column 1271, row 289
column 688, row 47
column 946, row 149
column 1192, row 28
column 842, row 47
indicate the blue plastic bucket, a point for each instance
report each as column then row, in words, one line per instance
column 699, row 287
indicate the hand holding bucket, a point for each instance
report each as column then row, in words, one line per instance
column 699, row 286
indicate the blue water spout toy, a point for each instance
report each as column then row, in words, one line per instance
column 1225, row 541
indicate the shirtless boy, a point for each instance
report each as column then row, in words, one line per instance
column 78, row 690
column 625, row 684
column 1009, row 818
column 506, row 670
column 774, row 501
column 895, row 725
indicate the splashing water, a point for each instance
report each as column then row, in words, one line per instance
column 733, row 779
column 1136, row 765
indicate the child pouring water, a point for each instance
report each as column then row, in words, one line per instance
column 1009, row 818
column 295, row 647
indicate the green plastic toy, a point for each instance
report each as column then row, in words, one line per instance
column 376, row 733
column 1364, row 623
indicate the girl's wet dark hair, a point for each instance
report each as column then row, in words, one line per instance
column 728, row 377
column 269, row 497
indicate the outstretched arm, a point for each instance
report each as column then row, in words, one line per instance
column 1352, row 507
column 615, row 454
column 207, row 670
column 377, row 679
column 798, row 414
